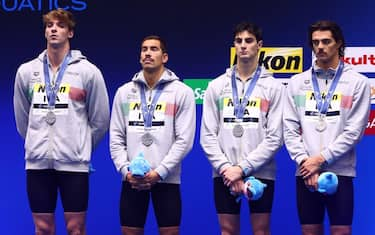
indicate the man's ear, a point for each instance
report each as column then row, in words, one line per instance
column 165, row 58
column 260, row 44
column 71, row 34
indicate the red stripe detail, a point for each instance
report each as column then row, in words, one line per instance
column 346, row 102
column 77, row 94
column 264, row 105
column 171, row 109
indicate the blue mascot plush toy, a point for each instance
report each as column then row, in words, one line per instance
column 327, row 183
column 139, row 166
column 253, row 188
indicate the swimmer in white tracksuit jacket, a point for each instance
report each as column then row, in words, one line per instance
column 325, row 115
column 241, row 132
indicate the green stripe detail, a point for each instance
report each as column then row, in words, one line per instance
column 220, row 104
column 300, row 100
column 30, row 94
column 125, row 109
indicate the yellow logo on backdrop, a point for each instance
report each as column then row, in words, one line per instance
column 277, row 59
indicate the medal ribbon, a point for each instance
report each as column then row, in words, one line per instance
column 148, row 112
column 239, row 107
column 322, row 104
column 51, row 91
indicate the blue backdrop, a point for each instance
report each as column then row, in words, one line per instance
column 199, row 35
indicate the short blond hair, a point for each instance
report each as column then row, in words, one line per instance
column 61, row 15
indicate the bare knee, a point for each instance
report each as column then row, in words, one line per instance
column 229, row 224
column 44, row 229
column 44, row 223
column 175, row 230
column 261, row 223
column 75, row 223
column 131, row 231
column 341, row 230
column 261, row 230
column 75, row 229
column 312, row 229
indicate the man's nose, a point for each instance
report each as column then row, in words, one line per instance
column 53, row 28
column 243, row 43
column 321, row 44
column 148, row 53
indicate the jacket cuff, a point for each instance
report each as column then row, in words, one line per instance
column 124, row 171
column 162, row 171
column 299, row 160
column 246, row 169
column 223, row 167
column 327, row 156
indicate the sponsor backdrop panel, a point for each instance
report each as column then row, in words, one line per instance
column 199, row 37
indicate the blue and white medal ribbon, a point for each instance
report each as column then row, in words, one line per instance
column 51, row 90
column 323, row 103
column 240, row 106
column 148, row 112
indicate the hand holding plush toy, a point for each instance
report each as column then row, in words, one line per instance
column 139, row 166
column 327, row 183
column 253, row 188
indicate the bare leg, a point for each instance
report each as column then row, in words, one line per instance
column 132, row 231
column 229, row 224
column 169, row 230
column 261, row 223
column 75, row 223
column 312, row 229
column 341, row 230
column 44, row 223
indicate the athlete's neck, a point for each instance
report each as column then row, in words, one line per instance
column 327, row 64
column 246, row 68
column 56, row 55
column 153, row 76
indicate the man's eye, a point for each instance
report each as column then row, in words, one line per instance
column 323, row 41
column 238, row 40
column 247, row 40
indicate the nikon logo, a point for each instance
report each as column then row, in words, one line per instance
column 278, row 59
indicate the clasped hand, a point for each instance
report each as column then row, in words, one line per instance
column 310, row 166
column 231, row 175
column 143, row 183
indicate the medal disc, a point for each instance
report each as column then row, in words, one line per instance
column 321, row 125
column 238, row 130
column 50, row 117
column 147, row 139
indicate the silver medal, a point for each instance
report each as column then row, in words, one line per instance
column 50, row 117
column 147, row 139
column 238, row 130
column 321, row 125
